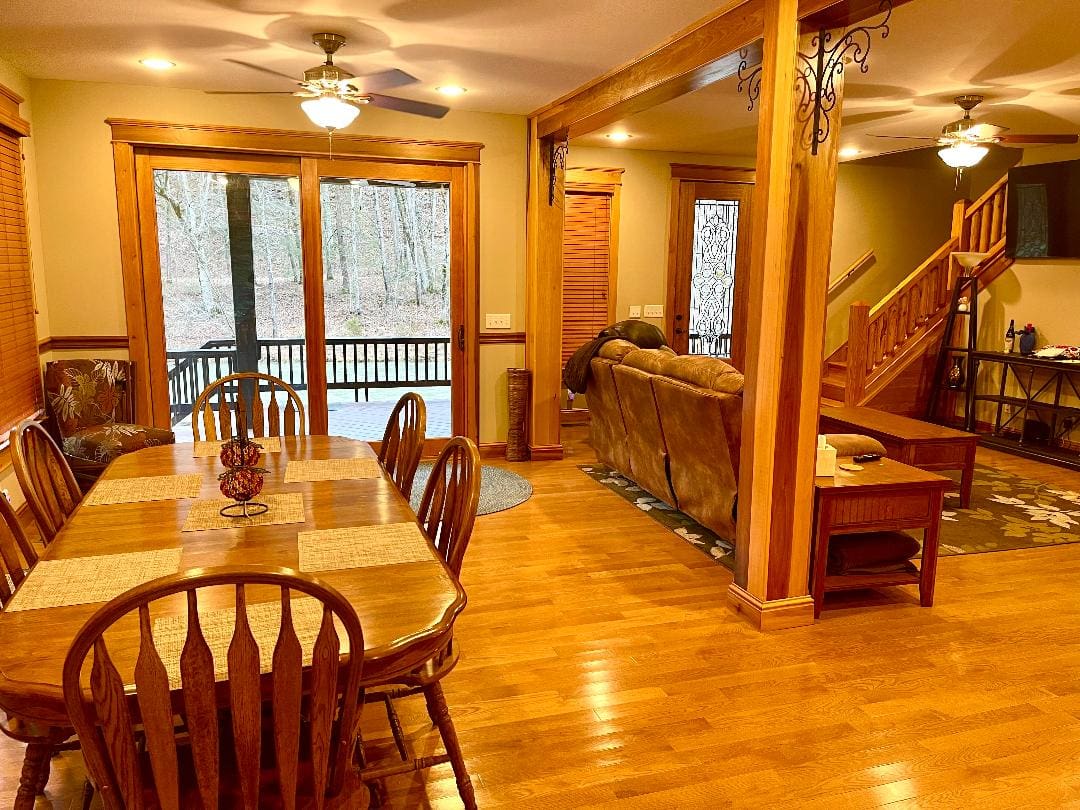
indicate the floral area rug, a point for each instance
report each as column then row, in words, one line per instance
column 1007, row 513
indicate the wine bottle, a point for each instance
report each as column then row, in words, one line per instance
column 1010, row 337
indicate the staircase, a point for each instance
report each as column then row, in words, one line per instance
column 888, row 358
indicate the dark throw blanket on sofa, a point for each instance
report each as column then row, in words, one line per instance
column 641, row 334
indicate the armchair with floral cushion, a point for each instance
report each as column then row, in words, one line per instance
column 92, row 403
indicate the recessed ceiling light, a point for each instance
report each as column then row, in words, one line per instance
column 157, row 64
column 619, row 136
column 452, row 90
column 850, row 152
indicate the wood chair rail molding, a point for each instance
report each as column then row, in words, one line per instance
column 79, row 342
column 288, row 142
column 501, row 338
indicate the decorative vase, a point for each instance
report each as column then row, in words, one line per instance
column 955, row 378
column 242, row 484
column 240, row 452
column 1027, row 342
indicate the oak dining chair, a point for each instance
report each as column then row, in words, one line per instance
column 17, row 558
column 235, row 750
column 447, row 514
column 403, row 441
column 234, row 404
column 45, row 477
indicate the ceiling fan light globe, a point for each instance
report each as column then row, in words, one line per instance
column 329, row 112
column 962, row 155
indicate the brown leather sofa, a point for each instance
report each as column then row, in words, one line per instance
column 673, row 425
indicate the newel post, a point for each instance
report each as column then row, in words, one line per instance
column 958, row 212
column 858, row 349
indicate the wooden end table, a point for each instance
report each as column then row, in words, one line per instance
column 920, row 444
column 884, row 496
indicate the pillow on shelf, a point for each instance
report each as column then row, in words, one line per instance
column 871, row 553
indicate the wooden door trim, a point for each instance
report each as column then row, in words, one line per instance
column 299, row 143
column 684, row 192
column 713, row 174
column 133, row 168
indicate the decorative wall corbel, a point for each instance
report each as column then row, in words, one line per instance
column 557, row 147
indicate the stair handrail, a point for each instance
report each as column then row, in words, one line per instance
column 915, row 305
column 856, row 266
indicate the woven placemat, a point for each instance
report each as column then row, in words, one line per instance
column 149, row 488
column 362, row 547
column 287, row 507
column 331, row 469
column 170, row 633
column 83, row 580
column 270, row 444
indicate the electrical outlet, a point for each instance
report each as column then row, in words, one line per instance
column 654, row 311
column 635, row 312
column 500, row 321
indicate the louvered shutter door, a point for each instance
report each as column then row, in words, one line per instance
column 20, row 385
column 586, row 258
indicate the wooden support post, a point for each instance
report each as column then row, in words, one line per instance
column 792, row 240
column 857, row 351
column 543, row 301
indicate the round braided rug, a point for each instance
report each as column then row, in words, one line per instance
column 499, row 489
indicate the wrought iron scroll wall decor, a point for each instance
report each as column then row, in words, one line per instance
column 557, row 154
column 816, row 77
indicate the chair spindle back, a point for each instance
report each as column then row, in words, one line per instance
column 448, row 509
column 44, row 476
column 17, row 554
column 403, row 441
column 234, row 404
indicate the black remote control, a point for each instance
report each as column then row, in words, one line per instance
column 866, row 457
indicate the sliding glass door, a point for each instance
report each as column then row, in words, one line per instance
column 345, row 278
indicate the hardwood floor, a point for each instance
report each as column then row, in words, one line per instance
column 601, row 664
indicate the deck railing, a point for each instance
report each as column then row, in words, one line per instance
column 356, row 364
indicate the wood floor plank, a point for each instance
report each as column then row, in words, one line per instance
column 601, row 667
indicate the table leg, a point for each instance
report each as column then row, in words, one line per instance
column 35, row 760
column 967, row 478
column 821, row 558
column 928, row 572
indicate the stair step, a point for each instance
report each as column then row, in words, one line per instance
column 832, row 390
column 838, row 366
column 835, row 403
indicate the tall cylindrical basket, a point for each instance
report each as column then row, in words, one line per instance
column 517, row 393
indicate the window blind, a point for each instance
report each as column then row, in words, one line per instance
column 586, row 267
column 20, row 385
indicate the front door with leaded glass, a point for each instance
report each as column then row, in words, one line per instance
column 712, row 243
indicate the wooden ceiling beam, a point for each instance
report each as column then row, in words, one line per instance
column 704, row 53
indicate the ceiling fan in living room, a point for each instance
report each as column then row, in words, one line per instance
column 965, row 142
column 333, row 96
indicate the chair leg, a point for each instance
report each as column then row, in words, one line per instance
column 36, row 758
column 440, row 715
column 87, row 794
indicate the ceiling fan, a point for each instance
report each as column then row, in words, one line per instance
column 965, row 142
column 333, row 96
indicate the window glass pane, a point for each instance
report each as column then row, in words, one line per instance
column 712, row 276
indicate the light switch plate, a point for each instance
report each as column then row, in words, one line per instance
column 635, row 312
column 654, row 311
column 497, row 321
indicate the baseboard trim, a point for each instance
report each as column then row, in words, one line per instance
column 549, row 452
column 493, row 450
column 775, row 614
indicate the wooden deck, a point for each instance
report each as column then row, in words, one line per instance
column 601, row 664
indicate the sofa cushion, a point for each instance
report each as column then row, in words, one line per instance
column 644, row 436
column 649, row 360
column 873, row 552
column 855, row 444
column 616, row 349
column 706, row 372
column 607, row 432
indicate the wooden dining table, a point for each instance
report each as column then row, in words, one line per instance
column 406, row 610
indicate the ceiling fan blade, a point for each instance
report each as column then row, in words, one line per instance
column 1033, row 139
column 249, row 92
column 905, row 137
column 384, row 80
column 406, row 105
column 262, row 69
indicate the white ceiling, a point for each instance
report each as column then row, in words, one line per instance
column 516, row 55
column 512, row 55
column 1021, row 54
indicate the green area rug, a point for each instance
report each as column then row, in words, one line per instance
column 1007, row 513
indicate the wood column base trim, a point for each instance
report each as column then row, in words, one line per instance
column 778, row 614
column 549, row 452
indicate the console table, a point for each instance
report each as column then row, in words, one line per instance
column 1042, row 398
column 883, row 496
column 910, row 441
